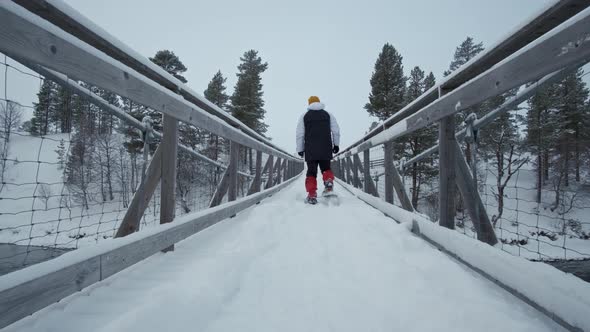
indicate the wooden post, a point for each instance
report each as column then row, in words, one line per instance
column 388, row 164
column 400, row 189
column 446, row 167
column 355, row 171
column 234, row 158
column 221, row 189
column 369, row 185
column 168, row 185
column 280, row 173
column 277, row 172
column 144, row 193
column 477, row 211
column 255, row 186
column 269, row 181
column 349, row 179
column 285, row 175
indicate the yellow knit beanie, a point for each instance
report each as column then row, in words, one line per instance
column 313, row 99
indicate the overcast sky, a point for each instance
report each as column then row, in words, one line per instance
column 323, row 48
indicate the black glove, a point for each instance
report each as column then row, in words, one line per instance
column 335, row 149
column 300, row 154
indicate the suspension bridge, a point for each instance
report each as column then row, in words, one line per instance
column 235, row 247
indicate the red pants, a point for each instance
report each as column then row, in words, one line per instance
column 312, row 170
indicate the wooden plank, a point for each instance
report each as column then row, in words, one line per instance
column 369, row 184
column 269, row 181
column 561, row 48
column 234, row 151
column 446, row 167
column 169, row 167
column 291, row 170
column 88, row 95
column 472, row 200
column 256, row 182
column 388, row 164
column 102, row 41
column 276, row 172
column 26, row 298
column 51, row 47
column 535, row 27
column 285, row 175
column 221, row 189
column 142, row 196
column 400, row 190
column 348, row 164
column 355, row 171
column 508, row 105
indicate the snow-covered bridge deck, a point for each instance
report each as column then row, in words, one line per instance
column 286, row 266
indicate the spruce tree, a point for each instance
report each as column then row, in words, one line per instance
column 107, row 122
column 418, row 141
column 463, row 53
column 415, row 84
column 64, row 113
column 429, row 81
column 247, row 104
column 388, row 84
column 215, row 93
column 571, row 116
column 44, row 109
column 170, row 63
column 539, row 131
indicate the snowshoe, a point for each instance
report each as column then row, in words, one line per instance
column 328, row 188
column 311, row 200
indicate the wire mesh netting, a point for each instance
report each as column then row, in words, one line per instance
column 540, row 213
column 69, row 169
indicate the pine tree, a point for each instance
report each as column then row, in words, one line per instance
column 429, row 81
column 418, row 141
column 463, row 53
column 44, row 109
column 63, row 115
column 388, row 84
column 247, row 104
column 106, row 121
column 61, row 154
column 170, row 63
column 415, row 84
column 539, row 131
column 215, row 93
column 572, row 114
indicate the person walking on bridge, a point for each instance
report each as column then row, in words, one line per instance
column 317, row 137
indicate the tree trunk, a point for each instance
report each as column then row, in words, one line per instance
column 539, row 177
column 415, row 185
column 109, row 177
column 566, row 170
column 546, row 165
column 577, row 152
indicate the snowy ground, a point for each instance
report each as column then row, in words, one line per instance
column 287, row 266
column 24, row 219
